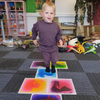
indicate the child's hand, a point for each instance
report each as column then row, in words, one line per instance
column 35, row 42
column 60, row 42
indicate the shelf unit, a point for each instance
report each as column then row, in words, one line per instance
column 2, row 11
column 16, row 17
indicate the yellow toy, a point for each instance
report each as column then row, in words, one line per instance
column 75, row 50
column 80, row 47
column 30, row 33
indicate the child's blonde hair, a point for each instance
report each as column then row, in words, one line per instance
column 50, row 4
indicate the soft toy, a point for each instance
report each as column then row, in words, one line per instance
column 73, row 42
column 80, row 48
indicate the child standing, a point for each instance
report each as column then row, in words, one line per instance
column 49, row 34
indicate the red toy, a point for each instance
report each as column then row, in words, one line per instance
column 71, row 48
column 14, row 25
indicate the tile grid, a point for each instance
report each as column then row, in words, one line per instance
column 83, row 69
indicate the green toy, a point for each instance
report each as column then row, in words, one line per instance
column 91, row 49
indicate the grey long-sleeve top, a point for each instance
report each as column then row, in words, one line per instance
column 49, row 35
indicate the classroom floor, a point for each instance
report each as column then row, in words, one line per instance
column 84, row 70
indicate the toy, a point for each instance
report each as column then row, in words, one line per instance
column 14, row 32
column 81, row 38
column 8, row 43
column 12, row 15
column 20, row 17
column 11, row 4
column 96, row 41
column 19, row 6
column 80, row 48
column 14, row 24
column 1, row 41
column 2, row 5
column 22, row 33
column 64, row 44
column 75, row 50
column 21, row 25
column 72, row 42
column 98, row 44
column 71, row 48
column 95, row 35
column 25, row 44
column 1, row 16
column 30, row 33
column 91, row 49
column 37, row 45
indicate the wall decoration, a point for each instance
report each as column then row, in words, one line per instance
column 31, row 85
column 30, row 6
column 39, row 4
column 42, row 74
column 61, row 86
column 45, row 97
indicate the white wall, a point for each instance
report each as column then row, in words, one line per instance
column 64, row 11
column 65, row 7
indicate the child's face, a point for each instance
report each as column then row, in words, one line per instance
column 48, row 14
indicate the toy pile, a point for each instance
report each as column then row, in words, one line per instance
column 79, row 45
column 15, row 40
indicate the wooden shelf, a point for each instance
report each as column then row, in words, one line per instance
column 70, row 28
